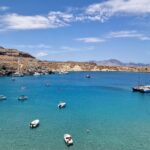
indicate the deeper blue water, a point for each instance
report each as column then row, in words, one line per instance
column 116, row 118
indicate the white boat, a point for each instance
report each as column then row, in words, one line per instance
column 35, row 123
column 61, row 105
column 142, row 88
column 68, row 139
column 2, row 97
column 17, row 74
column 63, row 72
column 22, row 98
column 37, row 74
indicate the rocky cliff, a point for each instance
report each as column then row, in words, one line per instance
column 12, row 59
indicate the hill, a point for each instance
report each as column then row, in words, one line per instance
column 12, row 59
column 115, row 62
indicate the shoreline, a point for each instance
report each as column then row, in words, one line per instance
column 60, row 72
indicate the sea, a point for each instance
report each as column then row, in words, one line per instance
column 102, row 112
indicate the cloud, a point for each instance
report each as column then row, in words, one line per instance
column 91, row 40
column 67, row 48
column 4, row 8
column 104, row 10
column 29, row 46
column 128, row 34
column 19, row 22
column 55, row 19
column 116, row 34
column 15, row 21
column 41, row 54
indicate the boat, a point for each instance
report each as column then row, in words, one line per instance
column 63, row 72
column 68, row 139
column 88, row 76
column 13, row 79
column 142, row 88
column 18, row 73
column 34, row 123
column 22, row 98
column 2, row 97
column 37, row 74
column 47, row 84
column 61, row 105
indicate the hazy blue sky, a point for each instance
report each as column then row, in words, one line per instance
column 78, row 30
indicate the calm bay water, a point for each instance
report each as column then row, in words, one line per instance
column 117, row 118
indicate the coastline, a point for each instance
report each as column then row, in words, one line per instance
column 65, row 67
column 12, row 61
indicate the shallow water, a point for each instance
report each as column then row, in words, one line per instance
column 105, row 106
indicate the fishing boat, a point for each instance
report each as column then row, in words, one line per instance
column 68, row 139
column 34, row 123
column 22, row 98
column 2, row 97
column 61, row 105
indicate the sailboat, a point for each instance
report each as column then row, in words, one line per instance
column 141, row 88
column 18, row 73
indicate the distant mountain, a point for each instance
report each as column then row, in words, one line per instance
column 115, row 62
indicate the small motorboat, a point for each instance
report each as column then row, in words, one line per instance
column 61, row 105
column 88, row 76
column 35, row 123
column 22, row 98
column 2, row 97
column 68, row 139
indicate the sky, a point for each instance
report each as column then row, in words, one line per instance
column 77, row 30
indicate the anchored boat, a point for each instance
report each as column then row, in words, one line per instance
column 142, row 88
column 88, row 76
column 68, row 139
column 35, row 123
column 61, row 105
column 22, row 98
column 37, row 74
column 2, row 97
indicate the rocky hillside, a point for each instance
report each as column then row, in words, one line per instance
column 12, row 59
column 13, row 53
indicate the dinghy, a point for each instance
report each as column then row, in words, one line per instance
column 34, row 123
column 68, row 139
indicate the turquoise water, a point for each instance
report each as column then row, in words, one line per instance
column 117, row 118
